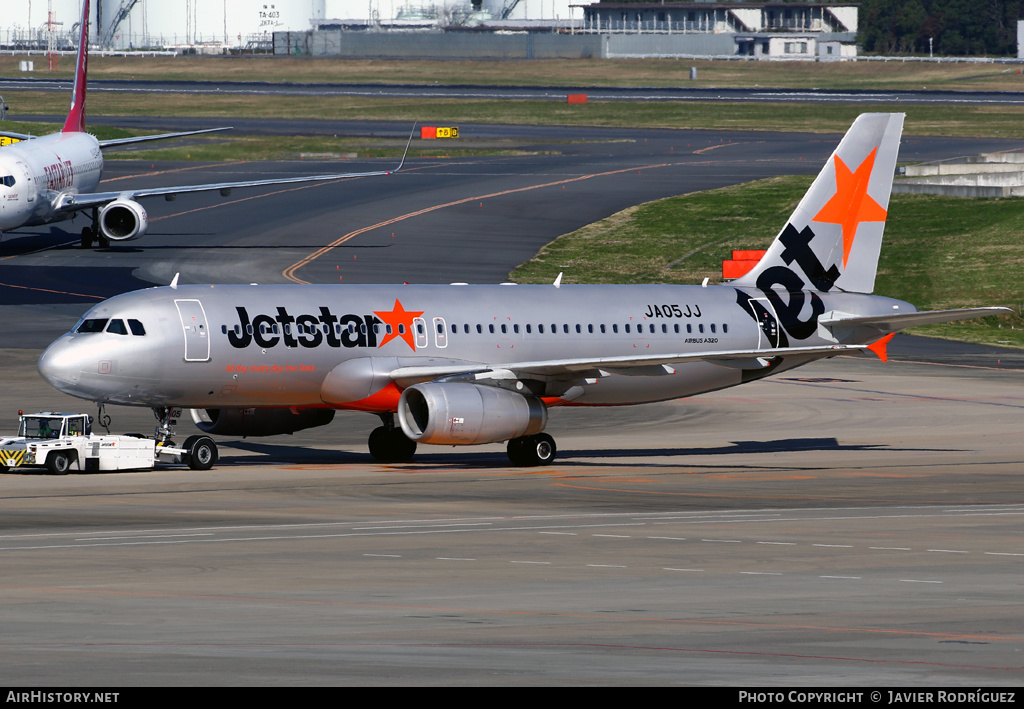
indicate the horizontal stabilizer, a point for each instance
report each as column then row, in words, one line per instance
column 16, row 136
column 113, row 142
column 899, row 321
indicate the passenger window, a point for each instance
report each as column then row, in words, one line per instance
column 725, row 329
column 137, row 329
column 117, row 327
column 712, row 327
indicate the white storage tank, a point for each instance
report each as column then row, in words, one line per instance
column 531, row 9
column 230, row 23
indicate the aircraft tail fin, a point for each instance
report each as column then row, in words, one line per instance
column 835, row 234
column 75, row 122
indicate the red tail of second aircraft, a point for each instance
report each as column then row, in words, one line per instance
column 75, row 122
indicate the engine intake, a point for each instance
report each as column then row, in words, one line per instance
column 259, row 422
column 123, row 220
column 465, row 414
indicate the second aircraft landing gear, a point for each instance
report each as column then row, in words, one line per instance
column 529, row 451
column 92, row 233
column 388, row 444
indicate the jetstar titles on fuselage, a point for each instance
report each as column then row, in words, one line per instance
column 348, row 330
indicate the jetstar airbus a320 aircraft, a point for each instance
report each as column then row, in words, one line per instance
column 54, row 177
column 462, row 365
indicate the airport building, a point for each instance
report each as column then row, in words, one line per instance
column 444, row 28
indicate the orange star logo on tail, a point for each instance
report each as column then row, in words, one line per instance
column 851, row 204
column 400, row 321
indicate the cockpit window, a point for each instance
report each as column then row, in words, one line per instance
column 117, row 327
column 136, row 327
column 92, row 325
column 8, row 180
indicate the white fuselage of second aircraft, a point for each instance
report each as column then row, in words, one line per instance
column 40, row 175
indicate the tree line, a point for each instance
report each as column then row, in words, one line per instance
column 954, row 27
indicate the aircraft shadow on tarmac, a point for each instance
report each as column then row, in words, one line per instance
column 567, row 458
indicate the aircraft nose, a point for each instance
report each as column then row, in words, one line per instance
column 61, row 366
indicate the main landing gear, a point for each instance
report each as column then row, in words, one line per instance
column 91, row 234
column 530, row 451
column 388, row 444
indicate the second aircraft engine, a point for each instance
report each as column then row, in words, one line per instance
column 123, row 220
column 459, row 413
column 259, row 422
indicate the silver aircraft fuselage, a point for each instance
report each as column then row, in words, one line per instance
column 334, row 346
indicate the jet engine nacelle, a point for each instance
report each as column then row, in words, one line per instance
column 465, row 414
column 259, row 422
column 123, row 220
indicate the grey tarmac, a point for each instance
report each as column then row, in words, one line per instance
column 849, row 523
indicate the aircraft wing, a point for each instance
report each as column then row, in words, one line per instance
column 75, row 202
column 113, row 142
column 68, row 202
column 636, row 364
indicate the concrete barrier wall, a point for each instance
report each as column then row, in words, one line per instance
column 957, row 190
column 437, row 45
column 486, row 45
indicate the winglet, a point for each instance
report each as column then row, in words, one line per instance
column 174, row 281
column 558, row 281
column 879, row 347
column 75, row 122
column 404, row 154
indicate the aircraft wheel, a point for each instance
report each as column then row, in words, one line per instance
column 88, row 236
column 517, row 453
column 529, row 451
column 201, row 452
column 391, row 446
column 104, row 242
column 543, row 449
column 58, row 462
